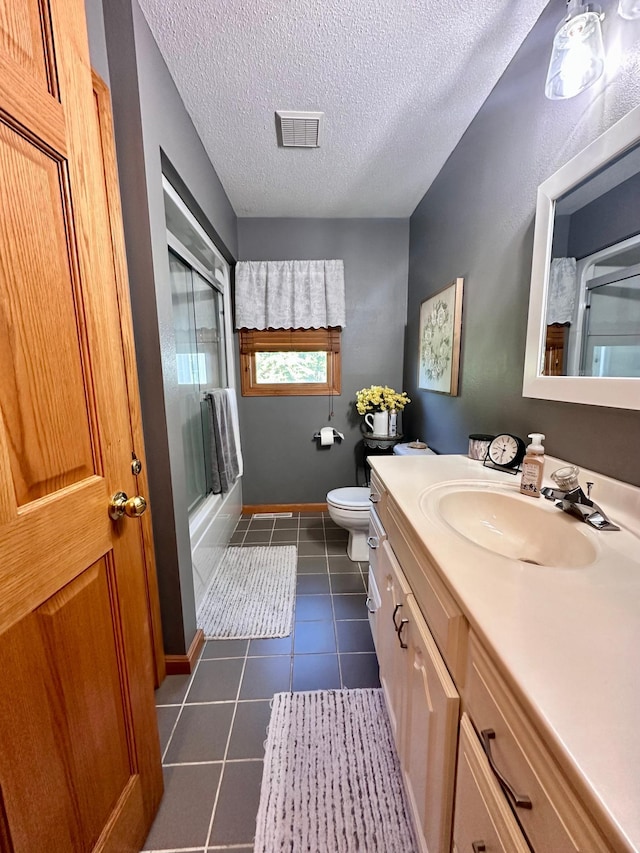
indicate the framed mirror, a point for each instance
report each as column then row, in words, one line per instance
column 583, row 334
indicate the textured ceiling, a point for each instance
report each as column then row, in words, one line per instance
column 399, row 82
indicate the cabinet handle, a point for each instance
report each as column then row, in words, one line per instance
column 374, row 498
column 520, row 801
column 478, row 846
column 399, row 627
column 373, row 542
column 403, row 622
column 369, row 608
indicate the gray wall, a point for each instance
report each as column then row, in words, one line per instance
column 150, row 118
column 476, row 221
column 606, row 221
column 97, row 40
column 282, row 464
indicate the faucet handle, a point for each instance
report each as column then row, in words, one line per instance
column 566, row 478
column 589, row 487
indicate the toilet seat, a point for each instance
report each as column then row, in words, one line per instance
column 354, row 498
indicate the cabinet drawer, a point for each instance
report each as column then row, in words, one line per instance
column 443, row 616
column 378, row 496
column 374, row 603
column 483, row 820
column 556, row 820
column 377, row 536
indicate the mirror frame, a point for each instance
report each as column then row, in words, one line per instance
column 619, row 393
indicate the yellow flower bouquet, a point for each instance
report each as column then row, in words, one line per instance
column 379, row 398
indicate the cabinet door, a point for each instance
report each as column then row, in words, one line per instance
column 429, row 733
column 393, row 590
column 483, row 820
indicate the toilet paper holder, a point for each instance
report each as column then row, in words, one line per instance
column 336, row 435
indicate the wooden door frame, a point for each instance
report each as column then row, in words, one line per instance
column 104, row 113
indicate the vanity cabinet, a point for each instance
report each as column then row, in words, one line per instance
column 508, row 791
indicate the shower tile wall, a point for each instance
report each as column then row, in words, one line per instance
column 213, row 723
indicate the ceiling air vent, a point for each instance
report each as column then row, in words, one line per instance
column 298, row 129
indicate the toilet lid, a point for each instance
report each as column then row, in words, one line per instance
column 349, row 498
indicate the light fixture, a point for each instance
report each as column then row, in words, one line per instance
column 577, row 58
column 629, row 9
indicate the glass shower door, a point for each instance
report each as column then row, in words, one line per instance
column 209, row 329
column 612, row 327
column 201, row 365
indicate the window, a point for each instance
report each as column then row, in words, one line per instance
column 289, row 362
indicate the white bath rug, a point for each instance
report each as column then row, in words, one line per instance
column 251, row 594
column 331, row 777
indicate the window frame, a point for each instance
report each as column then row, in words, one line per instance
column 290, row 340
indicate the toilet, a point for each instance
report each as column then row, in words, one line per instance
column 349, row 508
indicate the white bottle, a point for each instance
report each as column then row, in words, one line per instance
column 393, row 422
column 533, row 466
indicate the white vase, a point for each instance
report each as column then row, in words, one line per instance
column 378, row 422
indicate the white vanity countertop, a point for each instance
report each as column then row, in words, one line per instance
column 569, row 637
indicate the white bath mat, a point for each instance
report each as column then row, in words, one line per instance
column 331, row 777
column 251, row 594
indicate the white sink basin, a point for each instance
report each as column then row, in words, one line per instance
column 507, row 523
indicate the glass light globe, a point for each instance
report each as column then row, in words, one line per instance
column 629, row 9
column 577, row 58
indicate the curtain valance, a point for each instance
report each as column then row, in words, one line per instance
column 290, row 294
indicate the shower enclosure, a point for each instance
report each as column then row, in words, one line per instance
column 200, row 299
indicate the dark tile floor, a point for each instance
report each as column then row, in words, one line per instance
column 213, row 723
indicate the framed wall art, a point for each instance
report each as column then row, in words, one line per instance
column 439, row 340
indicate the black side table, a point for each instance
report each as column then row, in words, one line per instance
column 376, row 445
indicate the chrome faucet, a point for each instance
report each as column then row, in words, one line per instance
column 570, row 498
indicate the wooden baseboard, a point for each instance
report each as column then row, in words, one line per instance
column 251, row 508
column 185, row 664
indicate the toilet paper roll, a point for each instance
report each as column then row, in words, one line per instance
column 326, row 436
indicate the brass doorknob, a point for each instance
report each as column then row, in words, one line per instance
column 120, row 505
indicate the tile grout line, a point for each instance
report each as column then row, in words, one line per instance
column 215, row 761
column 226, row 748
column 182, row 704
column 333, row 612
column 295, row 604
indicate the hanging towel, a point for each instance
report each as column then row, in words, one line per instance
column 233, row 405
column 563, row 286
column 223, row 457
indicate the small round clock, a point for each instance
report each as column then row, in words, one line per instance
column 506, row 450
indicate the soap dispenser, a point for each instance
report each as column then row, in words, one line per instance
column 533, row 466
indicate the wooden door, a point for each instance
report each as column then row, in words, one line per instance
column 79, row 755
